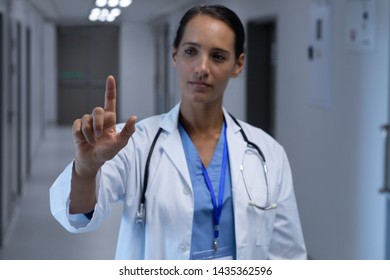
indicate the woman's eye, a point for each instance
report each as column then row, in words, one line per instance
column 190, row 52
column 219, row 57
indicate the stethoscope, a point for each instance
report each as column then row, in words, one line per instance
column 140, row 216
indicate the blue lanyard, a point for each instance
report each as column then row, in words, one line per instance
column 217, row 207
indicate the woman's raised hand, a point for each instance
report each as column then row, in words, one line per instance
column 95, row 137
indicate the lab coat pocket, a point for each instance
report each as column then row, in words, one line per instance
column 264, row 221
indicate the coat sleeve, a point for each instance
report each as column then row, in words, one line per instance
column 111, row 183
column 287, row 240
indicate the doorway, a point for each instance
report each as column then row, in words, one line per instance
column 86, row 56
column 261, row 69
column 19, row 102
column 387, row 257
column 163, row 103
column 1, row 131
column 28, row 116
column 10, row 189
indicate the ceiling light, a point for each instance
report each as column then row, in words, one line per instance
column 113, row 3
column 115, row 12
column 108, row 9
column 101, row 3
column 105, row 12
column 93, row 17
column 125, row 3
column 95, row 11
column 110, row 18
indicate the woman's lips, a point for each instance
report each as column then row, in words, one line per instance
column 200, row 85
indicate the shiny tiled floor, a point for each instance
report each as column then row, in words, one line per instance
column 35, row 234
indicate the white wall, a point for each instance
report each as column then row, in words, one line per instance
column 43, row 72
column 136, row 63
column 50, row 69
column 336, row 154
column 43, row 83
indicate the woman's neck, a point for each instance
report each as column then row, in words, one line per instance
column 201, row 120
column 203, row 124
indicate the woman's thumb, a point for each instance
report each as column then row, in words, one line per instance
column 127, row 131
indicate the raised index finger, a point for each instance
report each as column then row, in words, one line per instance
column 110, row 96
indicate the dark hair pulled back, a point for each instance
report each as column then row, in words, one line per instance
column 218, row 12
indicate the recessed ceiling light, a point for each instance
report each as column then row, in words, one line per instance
column 101, row 3
column 125, row 3
column 113, row 3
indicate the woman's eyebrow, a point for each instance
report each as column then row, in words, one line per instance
column 191, row 44
column 213, row 49
column 221, row 50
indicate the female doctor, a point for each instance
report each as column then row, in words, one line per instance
column 195, row 182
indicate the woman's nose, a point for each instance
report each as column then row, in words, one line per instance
column 202, row 69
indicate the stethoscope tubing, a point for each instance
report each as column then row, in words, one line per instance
column 141, row 211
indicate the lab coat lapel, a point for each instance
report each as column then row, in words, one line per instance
column 171, row 145
column 237, row 147
column 175, row 153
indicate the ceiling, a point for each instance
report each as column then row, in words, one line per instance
column 75, row 12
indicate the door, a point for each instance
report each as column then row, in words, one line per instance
column 261, row 74
column 86, row 56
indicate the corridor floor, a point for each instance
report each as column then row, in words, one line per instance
column 35, row 234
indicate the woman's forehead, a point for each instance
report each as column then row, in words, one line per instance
column 206, row 29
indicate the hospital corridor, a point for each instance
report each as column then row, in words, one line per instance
column 34, row 227
column 315, row 78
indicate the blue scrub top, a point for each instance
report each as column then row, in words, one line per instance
column 203, row 223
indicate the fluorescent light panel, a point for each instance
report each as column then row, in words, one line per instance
column 108, row 10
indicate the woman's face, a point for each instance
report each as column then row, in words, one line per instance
column 205, row 60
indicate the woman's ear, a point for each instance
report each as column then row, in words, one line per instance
column 239, row 65
column 174, row 53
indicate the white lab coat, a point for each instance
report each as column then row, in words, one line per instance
column 260, row 234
